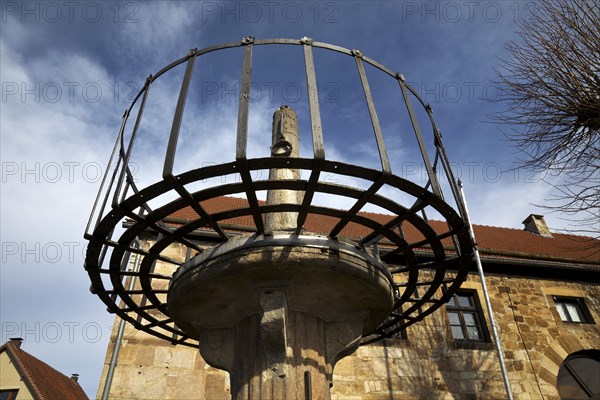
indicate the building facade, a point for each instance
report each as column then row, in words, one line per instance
column 25, row 377
column 545, row 295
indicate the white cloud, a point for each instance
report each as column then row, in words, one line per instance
column 54, row 144
column 160, row 31
column 503, row 204
column 52, row 152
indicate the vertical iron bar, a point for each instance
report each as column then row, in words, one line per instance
column 136, row 127
column 178, row 117
column 112, row 155
column 385, row 163
column 448, row 170
column 120, row 331
column 104, row 250
column 127, row 185
column 242, row 122
column 435, row 185
column 486, row 296
column 316, row 130
column 313, row 102
column 124, row 262
column 172, row 146
column 242, row 135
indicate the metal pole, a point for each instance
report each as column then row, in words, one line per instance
column 488, row 304
column 120, row 331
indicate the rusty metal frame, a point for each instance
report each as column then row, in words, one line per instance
column 446, row 253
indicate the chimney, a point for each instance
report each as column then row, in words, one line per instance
column 16, row 341
column 75, row 377
column 536, row 224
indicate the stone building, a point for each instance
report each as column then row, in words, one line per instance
column 545, row 295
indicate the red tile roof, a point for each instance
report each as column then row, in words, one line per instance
column 492, row 241
column 45, row 382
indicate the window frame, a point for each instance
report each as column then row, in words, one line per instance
column 581, row 307
column 481, row 322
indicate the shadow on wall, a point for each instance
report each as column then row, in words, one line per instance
column 429, row 365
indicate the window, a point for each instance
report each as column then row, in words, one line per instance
column 465, row 317
column 10, row 394
column 572, row 309
column 401, row 334
column 578, row 376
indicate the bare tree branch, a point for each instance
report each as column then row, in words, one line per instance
column 551, row 89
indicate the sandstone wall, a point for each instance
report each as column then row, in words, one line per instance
column 426, row 365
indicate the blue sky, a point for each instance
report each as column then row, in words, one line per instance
column 69, row 69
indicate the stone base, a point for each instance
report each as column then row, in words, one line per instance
column 260, row 372
column 279, row 311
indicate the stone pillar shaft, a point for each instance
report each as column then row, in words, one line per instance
column 257, row 377
column 285, row 143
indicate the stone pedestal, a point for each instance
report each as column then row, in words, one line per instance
column 278, row 311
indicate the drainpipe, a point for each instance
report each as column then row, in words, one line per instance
column 488, row 305
column 120, row 331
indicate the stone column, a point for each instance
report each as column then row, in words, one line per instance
column 278, row 310
column 285, row 143
column 283, row 354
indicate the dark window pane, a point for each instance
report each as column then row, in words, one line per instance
column 473, row 333
column 470, row 319
column 578, row 376
column 8, row 394
column 464, row 300
column 588, row 371
column 568, row 387
column 453, row 318
column 457, row 332
column 451, row 302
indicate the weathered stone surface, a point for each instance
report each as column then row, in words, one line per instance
column 285, row 143
column 428, row 365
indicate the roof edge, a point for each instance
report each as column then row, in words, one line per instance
column 29, row 382
column 516, row 256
